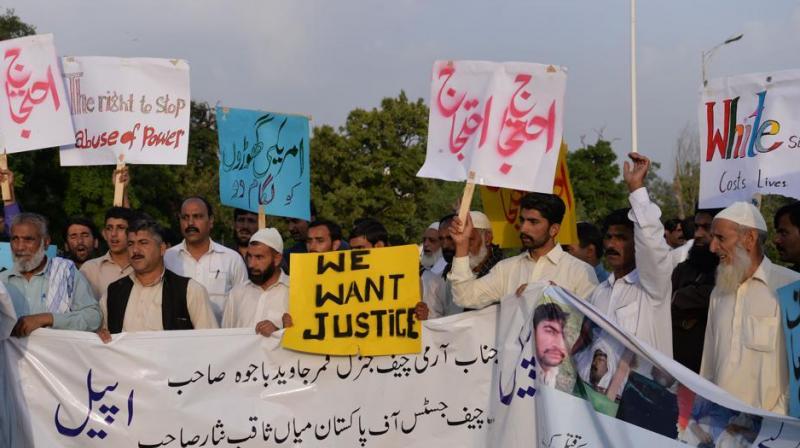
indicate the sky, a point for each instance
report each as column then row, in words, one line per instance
column 324, row 58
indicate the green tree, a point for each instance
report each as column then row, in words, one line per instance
column 11, row 26
column 595, row 174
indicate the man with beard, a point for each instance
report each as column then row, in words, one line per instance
column 102, row 271
column 787, row 234
column 153, row 298
column 46, row 292
column 692, row 282
column 745, row 348
column 543, row 260
column 245, row 224
column 212, row 265
column 549, row 321
column 483, row 255
column 262, row 302
column 431, row 249
column 298, row 229
column 437, row 294
column 636, row 296
column 80, row 240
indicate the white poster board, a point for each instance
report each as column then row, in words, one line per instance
column 137, row 108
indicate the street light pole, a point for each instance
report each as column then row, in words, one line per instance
column 705, row 56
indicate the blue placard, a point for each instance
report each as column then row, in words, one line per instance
column 789, row 297
column 6, row 261
column 264, row 159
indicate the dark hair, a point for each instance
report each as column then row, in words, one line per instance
column 549, row 311
column 119, row 213
column 446, row 218
column 333, row 228
column 204, row 201
column 687, row 225
column 371, row 229
column 707, row 211
column 237, row 212
column 550, row 206
column 147, row 225
column 588, row 234
column 793, row 210
column 81, row 221
column 618, row 217
column 672, row 224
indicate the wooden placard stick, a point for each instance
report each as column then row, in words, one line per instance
column 119, row 186
column 466, row 199
column 262, row 218
column 5, row 186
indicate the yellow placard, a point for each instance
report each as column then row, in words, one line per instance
column 355, row 302
column 501, row 205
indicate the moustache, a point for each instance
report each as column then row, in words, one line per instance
column 192, row 229
column 611, row 252
column 81, row 248
column 137, row 257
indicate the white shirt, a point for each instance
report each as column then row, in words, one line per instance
column 249, row 304
column 640, row 301
column 745, row 347
column 218, row 270
column 507, row 275
column 436, row 293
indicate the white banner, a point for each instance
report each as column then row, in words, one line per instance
column 34, row 110
column 474, row 385
column 749, row 137
column 502, row 121
column 137, row 108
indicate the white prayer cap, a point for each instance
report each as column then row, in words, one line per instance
column 480, row 220
column 268, row 237
column 434, row 225
column 744, row 214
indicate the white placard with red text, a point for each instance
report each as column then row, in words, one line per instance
column 135, row 107
column 749, row 137
column 34, row 111
column 503, row 121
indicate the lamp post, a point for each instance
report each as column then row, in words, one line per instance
column 707, row 55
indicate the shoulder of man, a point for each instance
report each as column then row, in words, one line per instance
column 781, row 276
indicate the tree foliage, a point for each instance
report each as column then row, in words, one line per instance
column 594, row 173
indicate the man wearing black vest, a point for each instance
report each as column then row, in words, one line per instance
column 153, row 298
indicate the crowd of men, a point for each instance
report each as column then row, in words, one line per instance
column 710, row 274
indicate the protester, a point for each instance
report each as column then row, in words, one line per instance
column 245, row 224
column 368, row 233
column 152, row 297
column 436, row 291
column 431, row 249
column 298, row 229
column 589, row 248
column 212, row 265
column 787, row 234
column 80, row 240
column 636, row 295
column 543, row 259
column 261, row 302
column 115, row 264
column 46, row 292
column 323, row 236
column 692, row 282
column 745, row 348
column 483, row 254
column 673, row 233
column 10, row 206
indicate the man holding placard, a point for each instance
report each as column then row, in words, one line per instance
column 212, row 265
column 544, row 260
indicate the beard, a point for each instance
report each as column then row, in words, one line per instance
column 729, row 276
column 531, row 243
column 476, row 260
column 30, row 264
column 428, row 260
column 703, row 258
column 260, row 279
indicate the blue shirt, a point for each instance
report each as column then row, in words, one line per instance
column 600, row 271
column 28, row 297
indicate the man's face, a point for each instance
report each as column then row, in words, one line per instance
column 702, row 229
column 724, row 239
column 244, row 226
column 80, row 242
column 319, row 240
column 298, row 228
column 145, row 252
column 550, row 346
column 361, row 242
column 116, row 235
column 675, row 237
column 599, row 367
column 446, row 242
column 475, row 242
column 196, row 225
column 619, row 249
column 430, row 241
column 262, row 263
column 535, row 231
column 787, row 240
column 26, row 242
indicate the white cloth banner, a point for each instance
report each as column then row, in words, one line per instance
column 749, row 137
column 476, row 384
column 137, row 108
column 34, row 110
column 502, row 121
